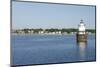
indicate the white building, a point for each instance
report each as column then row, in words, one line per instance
column 81, row 28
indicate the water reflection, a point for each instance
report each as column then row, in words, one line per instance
column 82, row 50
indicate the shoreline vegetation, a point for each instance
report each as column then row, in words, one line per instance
column 52, row 31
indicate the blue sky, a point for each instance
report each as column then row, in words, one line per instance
column 43, row 15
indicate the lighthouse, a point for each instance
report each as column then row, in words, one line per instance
column 81, row 35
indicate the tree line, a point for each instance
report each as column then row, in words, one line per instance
column 63, row 30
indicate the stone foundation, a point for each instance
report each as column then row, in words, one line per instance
column 81, row 37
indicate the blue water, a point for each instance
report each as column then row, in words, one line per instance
column 43, row 49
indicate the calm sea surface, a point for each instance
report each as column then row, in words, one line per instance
column 43, row 49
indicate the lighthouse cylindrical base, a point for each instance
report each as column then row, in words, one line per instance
column 81, row 37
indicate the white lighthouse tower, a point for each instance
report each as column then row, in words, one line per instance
column 81, row 34
column 81, row 27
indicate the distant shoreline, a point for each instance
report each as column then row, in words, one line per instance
column 48, row 34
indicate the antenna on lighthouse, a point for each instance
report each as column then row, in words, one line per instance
column 81, row 21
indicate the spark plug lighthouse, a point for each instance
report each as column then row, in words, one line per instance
column 81, row 35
